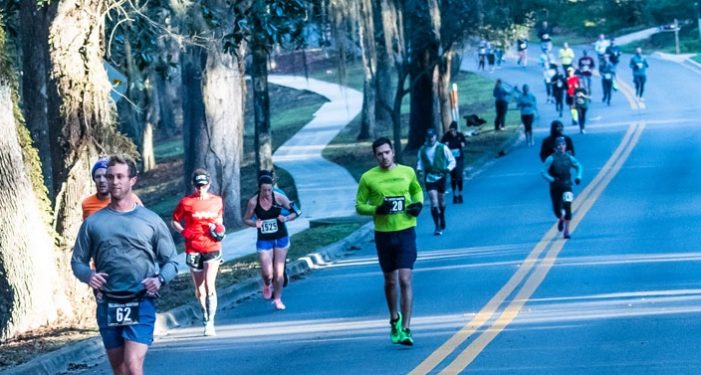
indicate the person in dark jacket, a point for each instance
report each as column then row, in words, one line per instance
column 548, row 145
column 501, row 96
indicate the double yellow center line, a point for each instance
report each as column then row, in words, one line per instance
column 539, row 267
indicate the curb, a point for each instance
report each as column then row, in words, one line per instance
column 59, row 361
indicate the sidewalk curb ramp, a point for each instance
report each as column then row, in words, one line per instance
column 64, row 359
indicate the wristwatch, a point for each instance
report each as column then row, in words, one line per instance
column 161, row 279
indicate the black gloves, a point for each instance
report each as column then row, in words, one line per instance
column 577, row 181
column 384, row 208
column 414, row 209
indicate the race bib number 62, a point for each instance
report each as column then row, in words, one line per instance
column 122, row 314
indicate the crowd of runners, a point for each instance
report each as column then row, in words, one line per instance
column 126, row 253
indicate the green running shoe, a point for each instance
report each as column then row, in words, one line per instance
column 396, row 329
column 405, row 337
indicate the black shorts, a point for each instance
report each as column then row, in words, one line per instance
column 196, row 261
column 396, row 250
column 569, row 100
column 437, row 185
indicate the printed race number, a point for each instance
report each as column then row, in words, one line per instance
column 268, row 226
column 122, row 314
column 397, row 204
column 567, row 197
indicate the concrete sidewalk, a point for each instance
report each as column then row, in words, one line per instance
column 325, row 189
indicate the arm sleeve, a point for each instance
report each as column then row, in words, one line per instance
column 449, row 156
column 80, row 261
column 178, row 212
column 577, row 166
column 546, row 168
column 164, row 248
column 362, row 206
column 417, row 194
column 419, row 162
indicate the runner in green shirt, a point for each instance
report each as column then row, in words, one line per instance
column 392, row 195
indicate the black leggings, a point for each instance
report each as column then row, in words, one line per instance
column 527, row 121
column 639, row 85
column 581, row 116
column 456, row 175
column 500, row 120
column 556, row 192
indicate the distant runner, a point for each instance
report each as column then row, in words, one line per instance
column 199, row 218
column 101, row 199
column 435, row 161
column 264, row 212
column 639, row 65
column 556, row 169
column 455, row 141
column 391, row 193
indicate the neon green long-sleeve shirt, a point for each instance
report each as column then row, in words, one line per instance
column 398, row 184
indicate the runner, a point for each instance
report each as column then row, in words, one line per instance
column 101, row 199
column 501, row 96
column 600, row 47
column 455, row 141
column 559, row 83
column 581, row 104
column 545, row 36
column 638, row 63
column 556, row 169
column 264, row 212
column 548, row 146
column 481, row 54
column 436, row 160
column 586, row 67
column 528, row 106
column 614, row 54
column 392, row 195
column 549, row 72
column 607, row 76
column 566, row 56
column 522, row 49
column 198, row 217
column 572, row 84
column 134, row 256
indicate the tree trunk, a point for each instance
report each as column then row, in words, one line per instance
column 131, row 125
column 168, row 86
column 87, row 123
column 224, row 94
column 366, row 37
column 151, row 118
column 193, row 112
column 383, row 71
column 34, row 37
column 424, row 23
column 30, row 288
column 445, row 72
column 261, row 107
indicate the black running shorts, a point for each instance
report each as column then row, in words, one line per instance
column 396, row 250
column 439, row 185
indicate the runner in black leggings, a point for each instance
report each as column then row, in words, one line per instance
column 560, row 180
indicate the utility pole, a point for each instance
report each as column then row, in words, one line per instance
column 697, row 6
column 676, row 34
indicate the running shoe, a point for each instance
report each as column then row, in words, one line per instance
column 395, row 333
column 277, row 303
column 438, row 232
column 405, row 337
column 566, row 235
column 209, row 329
column 560, row 224
column 267, row 291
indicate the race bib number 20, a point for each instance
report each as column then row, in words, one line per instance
column 397, row 204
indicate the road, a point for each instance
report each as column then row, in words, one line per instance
column 500, row 292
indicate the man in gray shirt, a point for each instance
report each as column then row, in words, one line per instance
column 134, row 256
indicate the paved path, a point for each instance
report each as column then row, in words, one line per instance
column 301, row 157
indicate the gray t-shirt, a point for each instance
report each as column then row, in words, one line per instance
column 128, row 246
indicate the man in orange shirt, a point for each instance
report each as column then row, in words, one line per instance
column 100, row 199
